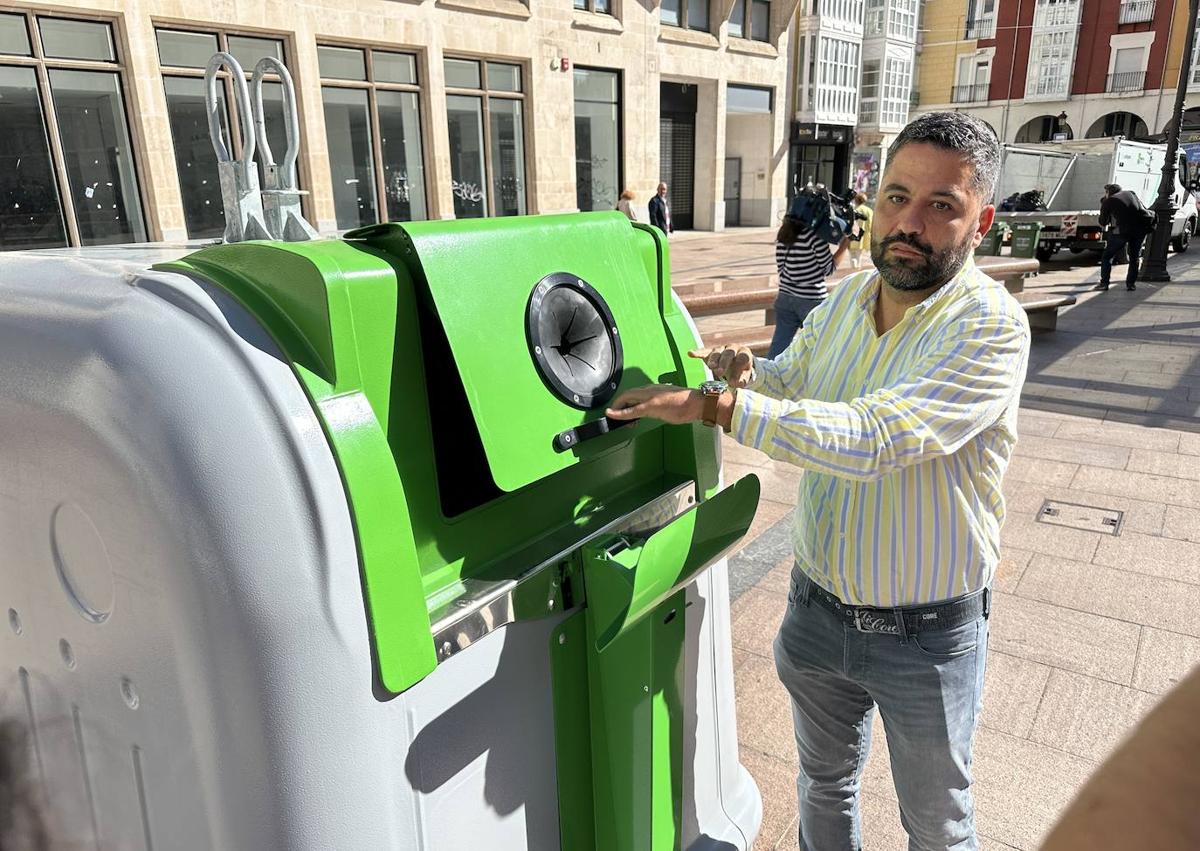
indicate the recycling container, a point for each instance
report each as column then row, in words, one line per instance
column 328, row 545
column 1025, row 237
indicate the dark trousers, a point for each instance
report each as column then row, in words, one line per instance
column 1112, row 248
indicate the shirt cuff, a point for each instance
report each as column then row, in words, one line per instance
column 754, row 419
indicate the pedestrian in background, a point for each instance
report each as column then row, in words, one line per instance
column 1132, row 221
column 804, row 262
column 863, row 226
column 625, row 205
column 660, row 210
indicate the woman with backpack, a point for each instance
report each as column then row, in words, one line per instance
column 804, row 262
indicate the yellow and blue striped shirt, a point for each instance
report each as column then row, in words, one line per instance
column 903, row 437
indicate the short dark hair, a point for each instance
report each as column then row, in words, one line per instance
column 1112, row 188
column 964, row 134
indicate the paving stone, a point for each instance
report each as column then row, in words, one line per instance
column 780, row 482
column 1028, row 534
column 1012, row 691
column 733, row 452
column 1152, row 555
column 1086, row 716
column 1013, row 562
column 881, row 827
column 767, row 515
column 1026, row 499
column 1120, row 594
column 1061, row 637
column 1181, row 523
column 765, row 723
column 1161, row 380
column 776, row 782
column 755, row 619
column 1117, row 434
column 779, row 578
column 1073, row 451
column 1021, row 787
column 1040, row 471
column 1167, row 489
column 1163, row 464
column 1189, row 444
column 1037, row 423
column 1164, row 658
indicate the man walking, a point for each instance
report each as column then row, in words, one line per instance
column 1133, row 221
column 899, row 399
column 660, row 210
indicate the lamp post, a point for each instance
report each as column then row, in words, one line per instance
column 1155, row 268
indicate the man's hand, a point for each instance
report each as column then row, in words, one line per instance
column 675, row 405
column 736, row 366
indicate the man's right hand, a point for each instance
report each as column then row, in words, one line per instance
column 733, row 365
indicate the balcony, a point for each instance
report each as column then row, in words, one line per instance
column 976, row 93
column 1136, row 11
column 986, row 27
column 1127, row 81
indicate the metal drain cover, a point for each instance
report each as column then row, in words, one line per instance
column 1089, row 518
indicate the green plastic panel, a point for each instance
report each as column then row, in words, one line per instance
column 331, row 308
column 480, row 274
column 622, row 588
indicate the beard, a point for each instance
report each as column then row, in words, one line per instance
column 910, row 273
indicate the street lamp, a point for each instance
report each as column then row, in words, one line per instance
column 1155, row 268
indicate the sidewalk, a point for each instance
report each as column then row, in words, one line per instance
column 1089, row 628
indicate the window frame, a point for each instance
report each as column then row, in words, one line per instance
column 1056, row 29
column 683, row 17
column 485, row 95
column 42, row 66
column 371, row 85
column 589, row 6
column 620, row 74
column 747, row 22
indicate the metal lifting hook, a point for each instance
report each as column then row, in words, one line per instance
column 250, row 212
column 281, row 195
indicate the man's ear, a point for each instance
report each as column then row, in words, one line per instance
column 986, row 217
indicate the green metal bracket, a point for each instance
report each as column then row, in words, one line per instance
column 331, row 308
column 634, row 621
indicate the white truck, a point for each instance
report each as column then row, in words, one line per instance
column 1071, row 177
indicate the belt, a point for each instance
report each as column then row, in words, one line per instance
column 905, row 620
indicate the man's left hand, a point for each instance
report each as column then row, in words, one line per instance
column 675, row 405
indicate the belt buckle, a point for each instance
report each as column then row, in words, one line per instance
column 871, row 622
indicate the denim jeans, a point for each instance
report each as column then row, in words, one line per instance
column 1112, row 248
column 928, row 688
column 790, row 311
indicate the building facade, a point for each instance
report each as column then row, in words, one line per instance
column 1040, row 70
column 408, row 110
column 853, row 69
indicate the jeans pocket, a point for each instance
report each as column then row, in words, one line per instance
column 945, row 644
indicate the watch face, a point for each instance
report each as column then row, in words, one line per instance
column 574, row 340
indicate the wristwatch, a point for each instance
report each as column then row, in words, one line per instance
column 712, row 391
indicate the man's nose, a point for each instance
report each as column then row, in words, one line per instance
column 910, row 220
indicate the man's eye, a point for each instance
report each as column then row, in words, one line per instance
column 941, row 205
column 896, row 199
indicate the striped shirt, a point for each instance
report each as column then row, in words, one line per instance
column 804, row 265
column 904, row 438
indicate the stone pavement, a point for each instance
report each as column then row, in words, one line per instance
column 1089, row 628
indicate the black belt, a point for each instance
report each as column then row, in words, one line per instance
column 915, row 619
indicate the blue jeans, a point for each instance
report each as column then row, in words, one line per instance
column 1114, row 242
column 790, row 311
column 928, row 688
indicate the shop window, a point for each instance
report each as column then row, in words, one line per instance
column 485, row 108
column 372, row 105
column 67, row 170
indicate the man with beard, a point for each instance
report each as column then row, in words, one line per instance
column 899, row 400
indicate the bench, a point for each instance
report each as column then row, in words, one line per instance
column 1041, row 308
